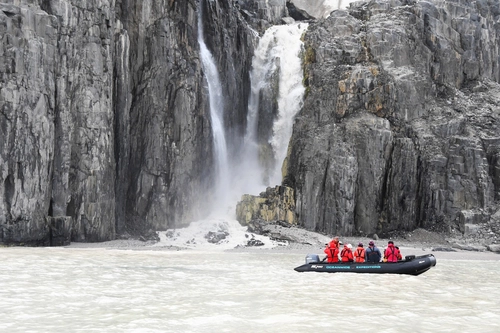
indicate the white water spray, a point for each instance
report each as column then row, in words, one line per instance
column 291, row 93
column 278, row 52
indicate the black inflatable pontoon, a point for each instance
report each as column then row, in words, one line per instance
column 412, row 265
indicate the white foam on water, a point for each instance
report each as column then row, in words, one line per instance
column 195, row 236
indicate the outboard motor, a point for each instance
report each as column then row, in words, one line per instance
column 312, row 259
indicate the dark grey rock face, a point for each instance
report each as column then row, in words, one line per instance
column 104, row 117
column 56, row 120
column 262, row 13
column 400, row 125
column 161, row 122
column 27, row 84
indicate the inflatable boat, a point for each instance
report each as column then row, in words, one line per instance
column 412, row 265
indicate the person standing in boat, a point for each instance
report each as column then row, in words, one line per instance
column 373, row 254
column 332, row 253
column 391, row 253
column 346, row 253
column 359, row 254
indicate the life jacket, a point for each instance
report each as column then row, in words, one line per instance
column 391, row 253
column 332, row 254
column 373, row 254
column 359, row 254
column 346, row 254
column 400, row 256
column 334, row 243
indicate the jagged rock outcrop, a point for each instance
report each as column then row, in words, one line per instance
column 275, row 204
column 400, row 127
column 307, row 9
column 263, row 13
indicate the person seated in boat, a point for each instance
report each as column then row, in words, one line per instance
column 359, row 254
column 346, row 253
column 335, row 242
column 391, row 253
column 332, row 253
column 400, row 256
column 372, row 253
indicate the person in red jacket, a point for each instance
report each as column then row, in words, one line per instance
column 391, row 253
column 335, row 242
column 346, row 253
column 359, row 254
column 332, row 253
column 400, row 256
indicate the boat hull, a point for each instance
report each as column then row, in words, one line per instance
column 414, row 266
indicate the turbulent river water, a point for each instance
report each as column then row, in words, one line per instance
column 98, row 290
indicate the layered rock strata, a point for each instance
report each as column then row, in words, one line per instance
column 400, row 125
column 275, row 204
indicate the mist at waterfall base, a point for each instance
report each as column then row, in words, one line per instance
column 278, row 51
column 98, row 290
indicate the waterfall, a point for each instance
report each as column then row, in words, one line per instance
column 278, row 54
column 291, row 92
column 216, row 103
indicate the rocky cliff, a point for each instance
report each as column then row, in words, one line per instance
column 57, row 138
column 400, row 125
column 103, row 114
column 105, row 127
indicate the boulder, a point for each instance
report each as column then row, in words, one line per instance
column 494, row 248
column 275, row 204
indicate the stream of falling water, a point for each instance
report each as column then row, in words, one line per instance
column 216, row 100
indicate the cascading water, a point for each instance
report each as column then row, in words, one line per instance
column 291, row 91
column 277, row 53
column 216, row 100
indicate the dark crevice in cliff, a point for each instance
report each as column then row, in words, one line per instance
column 45, row 6
column 493, row 158
column 9, row 14
column 50, row 212
column 297, row 14
column 9, row 190
column 322, row 202
column 420, row 205
column 385, row 190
